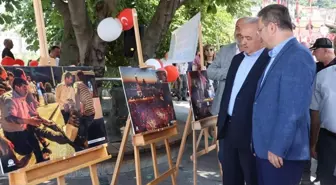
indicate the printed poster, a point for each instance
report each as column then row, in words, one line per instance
column 47, row 113
column 202, row 93
column 184, row 41
column 148, row 97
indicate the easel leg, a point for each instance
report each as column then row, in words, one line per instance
column 170, row 162
column 153, row 149
column 206, row 139
column 199, row 139
column 10, row 179
column 94, row 175
column 198, row 143
column 137, row 165
column 183, row 141
column 61, row 180
column 121, row 152
column 194, row 154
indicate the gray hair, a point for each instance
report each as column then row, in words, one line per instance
column 251, row 20
column 277, row 14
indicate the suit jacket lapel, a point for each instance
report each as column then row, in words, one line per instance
column 235, row 65
column 261, row 62
column 232, row 73
column 276, row 60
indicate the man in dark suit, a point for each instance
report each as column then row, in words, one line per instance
column 281, row 118
column 235, row 115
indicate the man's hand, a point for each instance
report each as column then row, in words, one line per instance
column 313, row 152
column 45, row 121
column 10, row 144
column 34, row 121
column 275, row 160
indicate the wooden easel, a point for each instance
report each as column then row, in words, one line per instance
column 45, row 59
column 148, row 138
column 202, row 125
column 45, row 171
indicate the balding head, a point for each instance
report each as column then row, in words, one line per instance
column 8, row 43
column 250, row 40
column 241, row 23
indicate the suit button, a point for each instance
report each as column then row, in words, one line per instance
column 255, row 103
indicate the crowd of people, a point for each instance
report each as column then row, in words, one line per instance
column 275, row 103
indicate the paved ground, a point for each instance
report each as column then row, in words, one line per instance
column 208, row 173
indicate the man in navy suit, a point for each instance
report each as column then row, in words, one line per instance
column 235, row 115
column 281, row 121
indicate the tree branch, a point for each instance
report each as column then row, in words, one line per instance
column 159, row 25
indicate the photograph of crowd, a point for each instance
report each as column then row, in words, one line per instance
column 43, row 120
column 148, row 98
column 201, row 92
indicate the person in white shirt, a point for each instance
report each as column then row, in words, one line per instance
column 65, row 95
column 323, row 117
column 55, row 53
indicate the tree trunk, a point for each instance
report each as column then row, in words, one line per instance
column 159, row 26
column 91, row 47
column 82, row 27
column 69, row 48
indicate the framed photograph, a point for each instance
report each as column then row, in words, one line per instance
column 202, row 92
column 148, row 97
column 62, row 112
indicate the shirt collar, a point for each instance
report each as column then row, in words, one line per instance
column 17, row 95
column 257, row 53
column 276, row 50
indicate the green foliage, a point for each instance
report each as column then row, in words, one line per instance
column 217, row 21
column 10, row 6
column 24, row 22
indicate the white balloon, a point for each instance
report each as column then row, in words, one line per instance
column 153, row 62
column 119, row 23
column 109, row 29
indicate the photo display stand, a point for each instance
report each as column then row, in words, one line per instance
column 45, row 59
column 203, row 125
column 58, row 168
column 147, row 138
